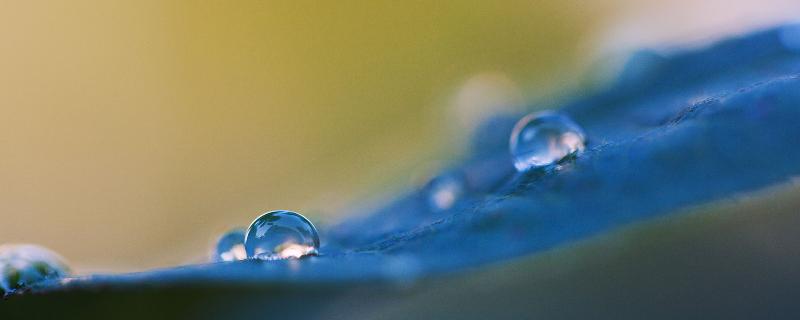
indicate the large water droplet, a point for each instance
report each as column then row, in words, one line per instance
column 22, row 265
column 279, row 235
column 444, row 191
column 230, row 246
column 544, row 138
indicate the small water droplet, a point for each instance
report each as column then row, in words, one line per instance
column 790, row 36
column 544, row 138
column 444, row 191
column 281, row 234
column 22, row 265
column 230, row 246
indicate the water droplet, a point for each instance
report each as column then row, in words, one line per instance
column 445, row 190
column 22, row 265
column 230, row 246
column 544, row 138
column 790, row 36
column 279, row 235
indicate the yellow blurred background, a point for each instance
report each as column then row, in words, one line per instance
column 132, row 133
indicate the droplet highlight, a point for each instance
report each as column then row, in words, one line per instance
column 281, row 234
column 22, row 265
column 544, row 138
column 230, row 246
column 444, row 191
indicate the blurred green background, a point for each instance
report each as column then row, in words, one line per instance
column 132, row 133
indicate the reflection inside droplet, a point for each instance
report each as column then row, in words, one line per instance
column 22, row 265
column 544, row 138
column 230, row 246
column 281, row 235
column 293, row 250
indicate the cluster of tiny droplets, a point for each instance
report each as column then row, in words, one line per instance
column 23, row 265
column 545, row 138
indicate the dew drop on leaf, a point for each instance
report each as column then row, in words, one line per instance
column 281, row 234
column 544, row 138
